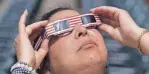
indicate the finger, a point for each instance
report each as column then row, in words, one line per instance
column 15, row 42
column 34, row 29
column 107, row 28
column 34, row 36
column 110, row 22
column 36, row 26
column 107, row 11
column 21, row 24
column 42, row 52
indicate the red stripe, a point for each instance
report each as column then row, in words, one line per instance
column 78, row 19
column 50, row 29
column 50, row 25
column 73, row 18
column 75, row 23
column 38, row 43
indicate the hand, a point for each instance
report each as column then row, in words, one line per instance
column 118, row 24
column 23, row 46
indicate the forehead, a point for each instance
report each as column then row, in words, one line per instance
column 63, row 14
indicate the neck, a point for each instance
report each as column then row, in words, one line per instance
column 101, row 71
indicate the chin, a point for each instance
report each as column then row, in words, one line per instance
column 98, row 57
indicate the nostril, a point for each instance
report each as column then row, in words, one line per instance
column 80, row 34
column 80, row 31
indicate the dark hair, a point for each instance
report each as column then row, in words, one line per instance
column 45, row 64
column 52, row 12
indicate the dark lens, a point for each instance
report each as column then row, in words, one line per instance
column 61, row 25
column 88, row 19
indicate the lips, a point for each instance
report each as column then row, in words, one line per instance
column 87, row 45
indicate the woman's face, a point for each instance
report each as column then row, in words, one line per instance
column 80, row 52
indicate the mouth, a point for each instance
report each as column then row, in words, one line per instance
column 87, row 45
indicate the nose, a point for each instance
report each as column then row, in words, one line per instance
column 80, row 31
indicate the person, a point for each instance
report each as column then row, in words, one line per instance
column 87, row 54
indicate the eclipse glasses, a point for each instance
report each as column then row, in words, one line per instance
column 66, row 25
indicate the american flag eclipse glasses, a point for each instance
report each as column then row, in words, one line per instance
column 65, row 25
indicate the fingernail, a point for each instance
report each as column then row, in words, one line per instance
column 93, row 9
column 46, row 20
column 26, row 11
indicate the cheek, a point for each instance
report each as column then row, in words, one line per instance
column 61, row 47
column 62, row 52
column 97, row 37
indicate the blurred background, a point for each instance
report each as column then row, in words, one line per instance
column 121, row 59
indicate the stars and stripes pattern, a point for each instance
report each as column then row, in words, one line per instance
column 50, row 29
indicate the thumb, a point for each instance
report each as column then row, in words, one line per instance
column 42, row 52
column 107, row 29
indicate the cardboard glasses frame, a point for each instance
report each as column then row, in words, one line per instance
column 65, row 25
